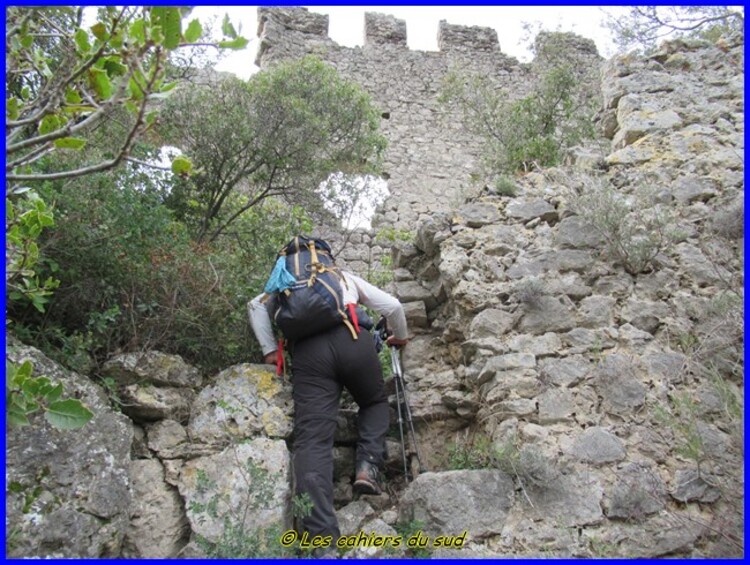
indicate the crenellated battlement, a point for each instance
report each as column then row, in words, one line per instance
column 381, row 29
column 285, row 28
column 431, row 159
column 451, row 37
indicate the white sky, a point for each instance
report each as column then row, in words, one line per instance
column 347, row 23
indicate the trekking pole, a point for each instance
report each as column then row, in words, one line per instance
column 407, row 472
column 398, row 377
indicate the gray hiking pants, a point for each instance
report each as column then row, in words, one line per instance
column 321, row 366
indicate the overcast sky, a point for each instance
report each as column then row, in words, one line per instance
column 346, row 25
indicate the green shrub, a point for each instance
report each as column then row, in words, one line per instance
column 524, row 133
column 411, row 528
column 236, row 540
column 474, row 453
column 131, row 278
column 505, row 186
column 634, row 226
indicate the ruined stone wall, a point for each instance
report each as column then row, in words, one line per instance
column 430, row 157
column 613, row 386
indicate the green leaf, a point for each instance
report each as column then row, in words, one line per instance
column 23, row 372
column 32, row 387
column 137, row 32
column 172, row 28
column 114, row 67
column 12, row 106
column 69, row 414
column 72, row 97
column 27, row 41
column 78, row 108
column 157, row 36
column 116, row 40
column 100, row 83
column 170, row 21
column 169, row 86
column 238, row 43
column 70, row 143
column 193, row 31
column 100, row 31
column 29, row 406
column 82, row 41
column 16, row 415
column 159, row 95
column 227, row 28
column 49, row 123
column 53, row 394
column 38, row 301
column 131, row 107
column 134, row 89
column 182, row 165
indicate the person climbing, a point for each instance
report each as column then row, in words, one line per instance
column 304, row 289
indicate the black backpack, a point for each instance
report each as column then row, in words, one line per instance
column 312, row 301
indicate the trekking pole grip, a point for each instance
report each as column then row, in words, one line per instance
column 396, row 361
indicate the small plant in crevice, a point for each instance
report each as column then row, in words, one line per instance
column 302, row 505
column 505, row 186
column 382, row 275
column 408, row 529
column 520, row 134
column 712, row 441
column 237, row 540
column 471, row 453
column 635, row 227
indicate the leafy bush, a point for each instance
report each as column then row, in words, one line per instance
column 505, row 186
column 25, row 219
column 520, row 134
column 635, row 227
column 282, row 133
column 26, row 395
column 131, row 277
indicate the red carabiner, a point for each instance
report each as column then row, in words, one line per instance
column 353, row 315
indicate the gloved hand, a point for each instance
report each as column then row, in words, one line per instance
column 396, row 342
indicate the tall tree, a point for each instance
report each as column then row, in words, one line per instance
column 280, row 134
column 63, row 82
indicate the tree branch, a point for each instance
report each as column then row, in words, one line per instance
column 123, row 151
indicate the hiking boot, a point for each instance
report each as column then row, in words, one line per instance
column 366, row 478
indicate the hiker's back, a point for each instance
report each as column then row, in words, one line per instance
column 306, row 289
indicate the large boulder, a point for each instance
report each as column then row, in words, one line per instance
column 451, row 502
column 243, row 401
column 245, row 487
column 152, row 367
column 67, row 490
column 148, row 403
column 158, row 527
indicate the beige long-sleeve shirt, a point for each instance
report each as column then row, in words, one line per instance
column 356, row 291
